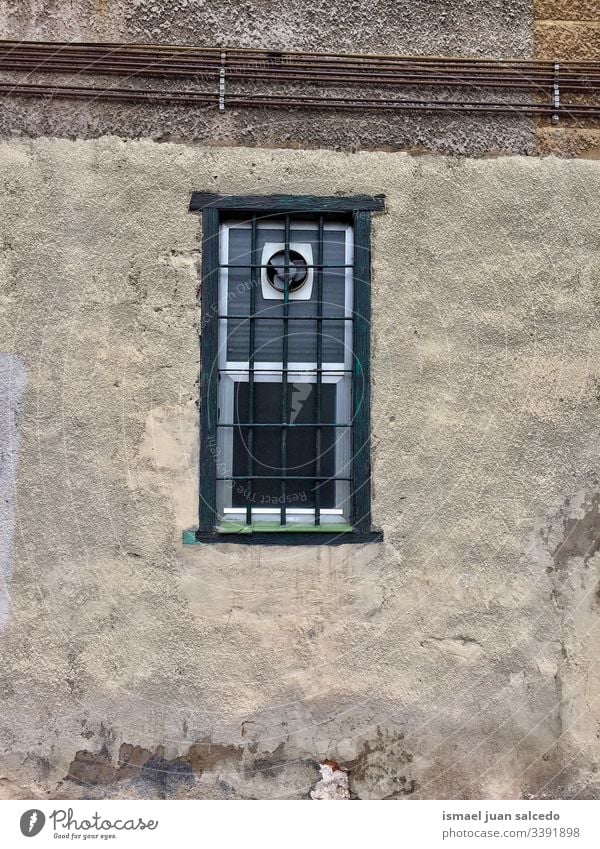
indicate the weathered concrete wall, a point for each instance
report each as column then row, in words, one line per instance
column 465, row 27
column 459, row 658
column 469, row 28
column 545, row 29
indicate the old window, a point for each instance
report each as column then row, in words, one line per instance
column 284, row 393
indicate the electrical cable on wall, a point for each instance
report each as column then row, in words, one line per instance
column 249, row 69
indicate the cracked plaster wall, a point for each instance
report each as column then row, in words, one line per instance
column 459, row 658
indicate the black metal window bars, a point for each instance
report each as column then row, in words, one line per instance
column 247, row 409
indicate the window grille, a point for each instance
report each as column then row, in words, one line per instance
column 285, row 370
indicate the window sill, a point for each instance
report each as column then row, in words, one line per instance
column 277, row 535
column 276, row 527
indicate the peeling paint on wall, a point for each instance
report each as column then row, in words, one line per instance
column 333, row 783
column 12, row 384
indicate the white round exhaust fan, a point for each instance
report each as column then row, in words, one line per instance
column 299, row 274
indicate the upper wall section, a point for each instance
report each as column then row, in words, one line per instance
column 496, row 28
column 464, row 27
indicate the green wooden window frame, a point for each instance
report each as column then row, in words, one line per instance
column 214, row 209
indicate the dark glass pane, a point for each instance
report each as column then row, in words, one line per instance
column 301, row 444
column 334, row 279
column 268, row 341
column 238, row 303
column 237, row 339
column 302, row 341
column 302, row 402
column 332, row 345
column 267, row 402
column 238, row 291
column 240, row 246
column 334, row 247
column 334, row 292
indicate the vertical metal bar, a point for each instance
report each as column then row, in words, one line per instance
column 319, row 273
column 251, row 355
column 284, row 374
column 209, row 346
column 361, row 383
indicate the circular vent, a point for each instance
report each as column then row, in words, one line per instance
column 297, row 271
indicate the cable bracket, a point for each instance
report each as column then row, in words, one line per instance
column 556, row 94
column 222, row 82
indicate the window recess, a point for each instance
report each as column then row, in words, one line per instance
column 285, row 370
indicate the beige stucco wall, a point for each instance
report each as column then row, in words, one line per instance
column 459, row 658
